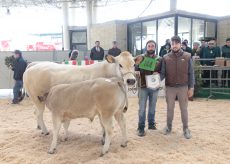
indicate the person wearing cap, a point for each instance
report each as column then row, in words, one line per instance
column 209, row 54
column 177, row 70
column 114, row 51
column 185, row 47
column 19, row 67
column 165, row 48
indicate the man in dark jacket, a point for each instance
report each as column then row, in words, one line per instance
column 186, row 48
column 19, row 68
column 97, row 53
column 177, row 69
column 226, row 54
column 226, row 49
column 165, row 48
column 114, row 51
column 209, row 53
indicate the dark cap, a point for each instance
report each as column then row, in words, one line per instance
column 184, row 43
column 176, row 39
column 18, row 52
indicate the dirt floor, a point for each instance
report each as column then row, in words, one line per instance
column 21, row 142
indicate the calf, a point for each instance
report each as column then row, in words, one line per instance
column 102, row 96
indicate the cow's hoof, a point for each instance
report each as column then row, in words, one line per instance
column 64, row 139
column 39, row 127
column 47, row 133
column 102, row 141
column 51, row 151
column 102, row 154
column 124, row 144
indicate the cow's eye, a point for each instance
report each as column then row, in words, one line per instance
column 120, row 65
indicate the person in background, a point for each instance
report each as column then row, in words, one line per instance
column 177, row 69
column 185, row 47
column 19, row 68
column 71, row 50
column 209, row 53
column 196, row 50
column 203, row 44
column 97, row 53
column 226, row 54
column 114, row 51
column 226, row 49
column 145, row 93
column 165, row 48
column 73, row 55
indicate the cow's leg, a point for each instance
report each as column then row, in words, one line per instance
column 36, row 114
column 56, row 128
column 66, row 126
column 107, row 123
column 119, row 116
column 40, row 107
column 103, row 131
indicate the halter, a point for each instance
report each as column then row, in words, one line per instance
column 131, row 88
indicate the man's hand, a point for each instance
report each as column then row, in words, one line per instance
column 190, row 92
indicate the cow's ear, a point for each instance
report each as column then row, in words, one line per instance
column 138, row 59
column 110, row 58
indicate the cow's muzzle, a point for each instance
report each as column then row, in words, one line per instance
column 131, row 81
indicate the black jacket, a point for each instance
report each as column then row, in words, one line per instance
column 97, row 55
column 19, row 68
column 114, row 51
column 226, row 51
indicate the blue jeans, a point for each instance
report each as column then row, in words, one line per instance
column 17, row 87
column 145, row 94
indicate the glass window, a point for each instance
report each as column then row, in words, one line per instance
column 165, row 30
column 134, row 38
column 197, row 29
column 184, row 29
column 148, row 33
column 79, row 37
column 210, row 30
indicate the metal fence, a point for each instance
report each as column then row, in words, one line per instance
column 215, row 79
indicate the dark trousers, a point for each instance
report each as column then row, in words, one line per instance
column 226, row 75
column 17, row 90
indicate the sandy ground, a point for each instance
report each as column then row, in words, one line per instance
column 20, row 142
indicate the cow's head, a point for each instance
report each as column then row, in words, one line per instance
column 125, row 64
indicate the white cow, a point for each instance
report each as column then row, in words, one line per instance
column 102, row 96
column 39, row 78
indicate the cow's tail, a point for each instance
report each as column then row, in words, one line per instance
column 123, row 88
column 43, row 98
column 23, row 90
